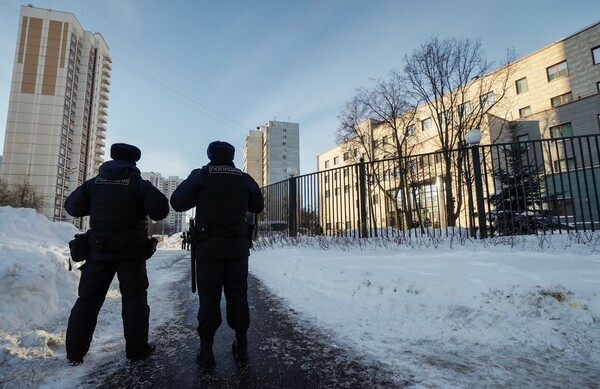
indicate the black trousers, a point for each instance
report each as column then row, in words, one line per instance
column 95, row 281
column 214, row 276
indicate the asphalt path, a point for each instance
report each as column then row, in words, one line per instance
column 283, row 352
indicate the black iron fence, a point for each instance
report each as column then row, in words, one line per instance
column 539, row 186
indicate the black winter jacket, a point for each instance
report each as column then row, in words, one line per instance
column 222, row 195
column 117, row 201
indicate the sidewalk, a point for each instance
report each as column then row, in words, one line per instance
column 282, row 354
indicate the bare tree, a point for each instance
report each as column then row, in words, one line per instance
column 24, row 195
column 5, row 194
column 452, row 79
column 378, row 123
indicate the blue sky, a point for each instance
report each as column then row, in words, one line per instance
column 186, row 73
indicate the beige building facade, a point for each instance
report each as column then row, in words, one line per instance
column 58, row 107
column 551, row 93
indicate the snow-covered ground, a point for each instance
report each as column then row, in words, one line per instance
column 512, row 312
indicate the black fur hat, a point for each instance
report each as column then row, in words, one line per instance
column 125, row 152
column 220, row 152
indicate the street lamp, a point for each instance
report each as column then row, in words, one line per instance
column 473, row 137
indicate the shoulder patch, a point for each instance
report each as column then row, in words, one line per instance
column 120, row 181
column 224, row 169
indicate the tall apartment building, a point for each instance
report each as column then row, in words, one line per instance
column 270, row 150
column 176, row 221
column 56, row 126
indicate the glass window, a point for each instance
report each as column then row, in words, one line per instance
column 563, row 165
column 563, row 206
column 561, row 131
column 464, row 109
column 326, row 164
column 596, row 55
column 336, row 160
column 411, row 130
column 521, row 85
column 426, row 124
column 487, row 99
column 525, row 111
column 562, row 99
column 444, row 116
column 557, row 71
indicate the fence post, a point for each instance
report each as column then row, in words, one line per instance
column 292, row 211
column 473, row 137
column 363, row 198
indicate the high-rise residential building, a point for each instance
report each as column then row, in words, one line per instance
column 56, row 125
column 272, row 151
column 176, row 221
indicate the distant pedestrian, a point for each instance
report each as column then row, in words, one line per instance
column 184, row 240
column 222, row 195
column 117, row 201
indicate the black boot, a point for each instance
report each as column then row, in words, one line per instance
column 150, row 347
column 240, row 347
column 205, row 356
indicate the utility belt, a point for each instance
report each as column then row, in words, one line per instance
column 118, row 242
column 204, row 231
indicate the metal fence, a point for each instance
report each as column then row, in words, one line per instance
column 539, row 186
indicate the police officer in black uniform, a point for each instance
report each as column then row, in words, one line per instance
column 117, row 201
column 222, row 195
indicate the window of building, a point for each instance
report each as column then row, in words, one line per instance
column 596, row 55
column 464, row 109
column 563, row 165
column 563, row 206
column 562, row 99
column 411, row 130
column 487, row 99
column 326, row 164
column 524, row 138
column 525, row 111
column 444, row 116
column 557, row 71
column 521, row 85
column 336, row 160
column 384, row 140
column 346, row 156
column 561, row 131
column 426, row 124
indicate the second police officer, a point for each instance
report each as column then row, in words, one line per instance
column 222, row 195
